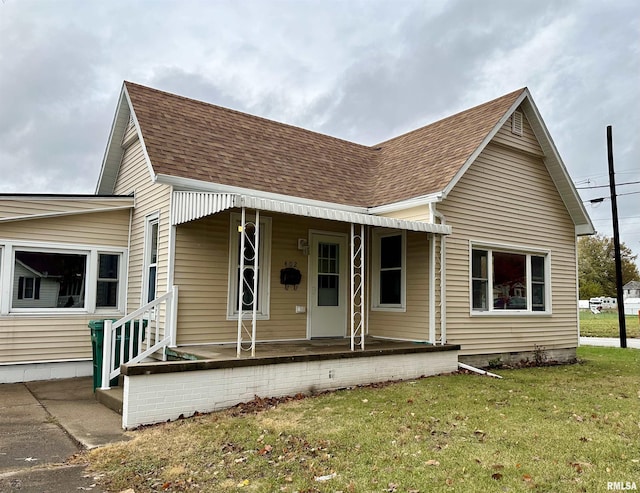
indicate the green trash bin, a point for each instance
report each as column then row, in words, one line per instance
column 97, row 344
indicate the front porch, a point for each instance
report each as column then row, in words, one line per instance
column 210, row 378
column 287, row 351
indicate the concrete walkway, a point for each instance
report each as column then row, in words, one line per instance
column 609, row 342
column 43, row 424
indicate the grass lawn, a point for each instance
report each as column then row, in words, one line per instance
column 605, row 324
column 552, row 429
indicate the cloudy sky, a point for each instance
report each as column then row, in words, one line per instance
column 360, row 70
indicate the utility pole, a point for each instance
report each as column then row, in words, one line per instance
column 616, row 241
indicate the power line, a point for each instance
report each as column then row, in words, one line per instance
column 609, row 219
column 623, row 172
column 607, row 186
column 600, row 199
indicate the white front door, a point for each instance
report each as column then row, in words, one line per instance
column 328, row 285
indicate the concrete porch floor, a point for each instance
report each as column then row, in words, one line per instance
column 298, row 348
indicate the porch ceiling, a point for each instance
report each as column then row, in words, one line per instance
column 189, row 206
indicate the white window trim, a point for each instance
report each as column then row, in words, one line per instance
column 149, row 220
column 7, row 258
column 518, row 250
column 264, row 266
column 122, row 286
column 376, row 235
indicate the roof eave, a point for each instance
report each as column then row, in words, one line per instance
column 557, row 170
column 406, row 204
column 191, row 184
column 192, row 205
column 474, row 155
column 115, row 151
column 553, row 162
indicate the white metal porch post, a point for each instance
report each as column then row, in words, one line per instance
column 357, row 288
column 248, row 261
column 256, row 273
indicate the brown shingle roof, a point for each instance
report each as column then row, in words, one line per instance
column 425, row 160
column 192, row 139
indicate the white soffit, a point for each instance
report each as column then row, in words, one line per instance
column 189, row 206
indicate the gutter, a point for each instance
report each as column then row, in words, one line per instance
column 478, row 370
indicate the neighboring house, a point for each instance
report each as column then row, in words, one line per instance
column 33, row 289
column 462, row 232
column 631, row 290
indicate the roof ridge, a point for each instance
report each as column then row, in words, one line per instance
column 248, row 115
column 455, row 115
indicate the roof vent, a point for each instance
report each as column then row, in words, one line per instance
column 516, row 123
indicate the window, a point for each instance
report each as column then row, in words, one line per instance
column 108, row 280
column 49, row 280
column 151, row 259
column 508, row 281
column 39, row 277
column 262, row 267
column 389, row 261
column 28, row 288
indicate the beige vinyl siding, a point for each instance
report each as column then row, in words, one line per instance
column 202, row 269
column 35, row 337
column 526, row 142
column 109, row 229
column 26, row 207
column 134, row 177
column 419, row 213
column 508, row 197
column 130, row 135
column 27, row 338
column 412, row 324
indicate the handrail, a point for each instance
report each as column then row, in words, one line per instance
column 143, row 318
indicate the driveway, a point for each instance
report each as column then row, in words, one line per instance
column 42, row 425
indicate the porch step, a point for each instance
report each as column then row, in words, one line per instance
column 111, row 398
column 174, row 354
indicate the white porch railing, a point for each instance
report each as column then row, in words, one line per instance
column 138, row 335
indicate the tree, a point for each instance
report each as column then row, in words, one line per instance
column 597, row 268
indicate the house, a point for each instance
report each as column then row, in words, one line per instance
column 454, row 241
column 631, row 290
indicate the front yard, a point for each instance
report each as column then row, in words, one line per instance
column 565, row 428
column 605, row 324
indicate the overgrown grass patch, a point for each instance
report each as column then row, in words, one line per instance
column 565, row 428
column 605, row 324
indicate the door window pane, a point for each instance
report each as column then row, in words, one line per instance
column 328, row 274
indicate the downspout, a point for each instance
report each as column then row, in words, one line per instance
column 171, row 254
column 126, row 286
column 432, row 289
column 443, row 274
